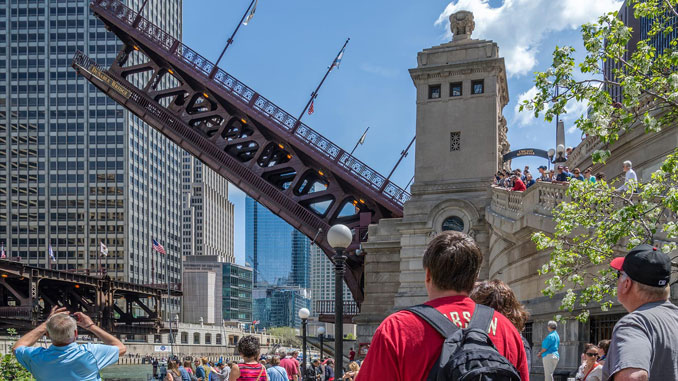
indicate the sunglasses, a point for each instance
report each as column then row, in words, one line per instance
column 591, row 354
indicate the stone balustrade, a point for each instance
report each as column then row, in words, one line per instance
column 539, row 199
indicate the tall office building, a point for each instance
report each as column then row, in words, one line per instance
column 280, row 257
column 76, row 169
column 207, row 221
column 322, row 281
column 278, row 253
column 640, row 29
column 215, row 290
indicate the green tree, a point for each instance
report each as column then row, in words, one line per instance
column 596, row 221
column 10, row 369
column 287, row 334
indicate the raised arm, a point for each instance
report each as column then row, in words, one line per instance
column 86, row 322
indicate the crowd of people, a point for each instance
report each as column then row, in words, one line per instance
column 411, row 345
column 466, row 327
column 281, row 366
column 520, row 181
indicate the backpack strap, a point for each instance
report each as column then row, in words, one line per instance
column 482, row 318
column 435, row 319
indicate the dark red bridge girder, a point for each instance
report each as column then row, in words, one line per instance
column 27, row 293
column 285, row 165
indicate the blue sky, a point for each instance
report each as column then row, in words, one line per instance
column 285, row 50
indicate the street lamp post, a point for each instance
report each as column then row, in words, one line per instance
column 339, row 237
column 321, row 336
column 304, row 313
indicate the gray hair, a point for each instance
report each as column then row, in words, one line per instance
column 552, row 324
column 652, row 293
column 627, row 163
column 61, row 328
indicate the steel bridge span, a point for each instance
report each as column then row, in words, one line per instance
column 27, row 294
column 282, row 163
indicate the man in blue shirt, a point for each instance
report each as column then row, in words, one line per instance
column 549, row 351
column 65, row 359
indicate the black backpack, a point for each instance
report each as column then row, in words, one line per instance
column 467, row 354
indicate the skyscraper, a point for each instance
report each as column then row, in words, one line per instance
column 76, row 169
column 280, row 257
column 322, row 280
column 207, row 221
column 278, row 252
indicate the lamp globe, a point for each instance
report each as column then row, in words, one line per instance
column 339, row 236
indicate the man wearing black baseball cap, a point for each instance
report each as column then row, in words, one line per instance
column 644, row 342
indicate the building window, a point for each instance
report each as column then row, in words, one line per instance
column 455, row 89
column 156, row 339
column 601, row 326
column 453, row 223
column 208, row 338
column 196, row 338
column 478, row 86
column 184, row 337
column 218, row 339
column 527, row 333
column 434, row 92
column 455, row 141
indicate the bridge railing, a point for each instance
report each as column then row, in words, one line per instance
column 326, row 307
column 252, row 99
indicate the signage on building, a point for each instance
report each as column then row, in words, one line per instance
column 163, row 348
column 526, row 152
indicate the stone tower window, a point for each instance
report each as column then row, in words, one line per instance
column 455, row 89
column 453, row 223
column 478, row 86
column 434, row 92
column 455, row 141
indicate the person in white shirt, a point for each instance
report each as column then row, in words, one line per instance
column 630, row 175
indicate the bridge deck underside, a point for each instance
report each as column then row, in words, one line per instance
column 28, row 293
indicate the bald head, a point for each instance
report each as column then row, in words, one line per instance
column 61, row 329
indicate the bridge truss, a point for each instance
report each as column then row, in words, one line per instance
column 27, row 294
column 282, row 163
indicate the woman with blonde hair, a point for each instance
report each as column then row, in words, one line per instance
column 353, row 369
column 498, row 295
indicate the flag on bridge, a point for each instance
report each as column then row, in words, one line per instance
column 103, row 249
column 158, row 247
column 51, row 253
column 310, row 109
column 249, row 17
column 3, row 251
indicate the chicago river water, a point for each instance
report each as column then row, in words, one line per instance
column 127, row 372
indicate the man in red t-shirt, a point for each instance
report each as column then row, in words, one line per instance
column 351, row 355
column 405, row 348
column 291, row 365
column 518, row 184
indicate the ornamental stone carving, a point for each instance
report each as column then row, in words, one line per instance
column 461, row 25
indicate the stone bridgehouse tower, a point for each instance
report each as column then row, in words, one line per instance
column 461, row 137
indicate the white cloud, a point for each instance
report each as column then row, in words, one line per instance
column 573, row 111
column 522, row 119
column 520, row 26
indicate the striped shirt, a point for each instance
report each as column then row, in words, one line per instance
column 252, row 372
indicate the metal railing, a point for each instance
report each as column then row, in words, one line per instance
column 326, row 306
column 84, row 62
column 257, row 102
